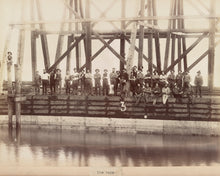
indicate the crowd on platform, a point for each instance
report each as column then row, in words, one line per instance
column 136, row 83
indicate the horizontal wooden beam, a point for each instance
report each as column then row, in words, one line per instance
column 66, row 52
column 132, row 19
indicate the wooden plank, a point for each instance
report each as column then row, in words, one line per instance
column 77, row 108
column 97, row 108
column 178, row 110
column 58, row 111
column 58, row 107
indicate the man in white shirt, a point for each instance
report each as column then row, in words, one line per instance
column 45, row 81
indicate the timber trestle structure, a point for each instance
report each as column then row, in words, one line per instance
column 81, row 32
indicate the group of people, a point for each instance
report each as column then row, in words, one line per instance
column 123, row 83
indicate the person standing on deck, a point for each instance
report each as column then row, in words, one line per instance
column 37, row 82
column 82, row 81
column 45, row 81
column 198, row 81
column 67, row 82
column 117, row 81
column 75, row 81
column 171, row 80
column 113, row 75
column 123, row 80
column 58, row 80
column 88, row 82
column 179, row 79
column 97, row 79
column 105, row 83
column 53, row 82
column 186, row 80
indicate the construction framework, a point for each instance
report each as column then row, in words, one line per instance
column 145, row 27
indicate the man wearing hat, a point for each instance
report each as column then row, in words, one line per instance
column 58, row 79
column 97, row 79
column 186, row 80
column 198, row 81
column 105, row 83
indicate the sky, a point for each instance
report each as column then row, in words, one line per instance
column 52, row 10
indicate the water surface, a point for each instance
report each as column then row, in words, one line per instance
column 49, row 147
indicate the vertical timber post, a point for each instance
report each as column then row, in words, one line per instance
column 78, row 45
column 150, row 37
column 70, row 38
column 18, row 72
column 43, row 37
column 167, row 48
column 88, row 36
column 10, row 96
column 33, row 44
column 157, row 39
column 211, row 55
column 141, row 36
column 122, row 39
column 179, row 37
column 183, row 37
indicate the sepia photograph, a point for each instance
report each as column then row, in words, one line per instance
column 109, row 87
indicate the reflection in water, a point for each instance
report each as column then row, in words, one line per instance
column 44, row 147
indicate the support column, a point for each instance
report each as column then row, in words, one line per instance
column 18, row 71
column 141, row 36
column 78, row 46
column 43, row 37
column 33, row 44
column 157, row 40
column 179, row 38
column 122, row 38
column 70, row 39
column 122, row 50
column 9, row 85
column 88, row 36
column 150, row 38
column 211, row 55
column 33, row 54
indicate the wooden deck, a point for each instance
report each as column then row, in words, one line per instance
column 207, row 108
